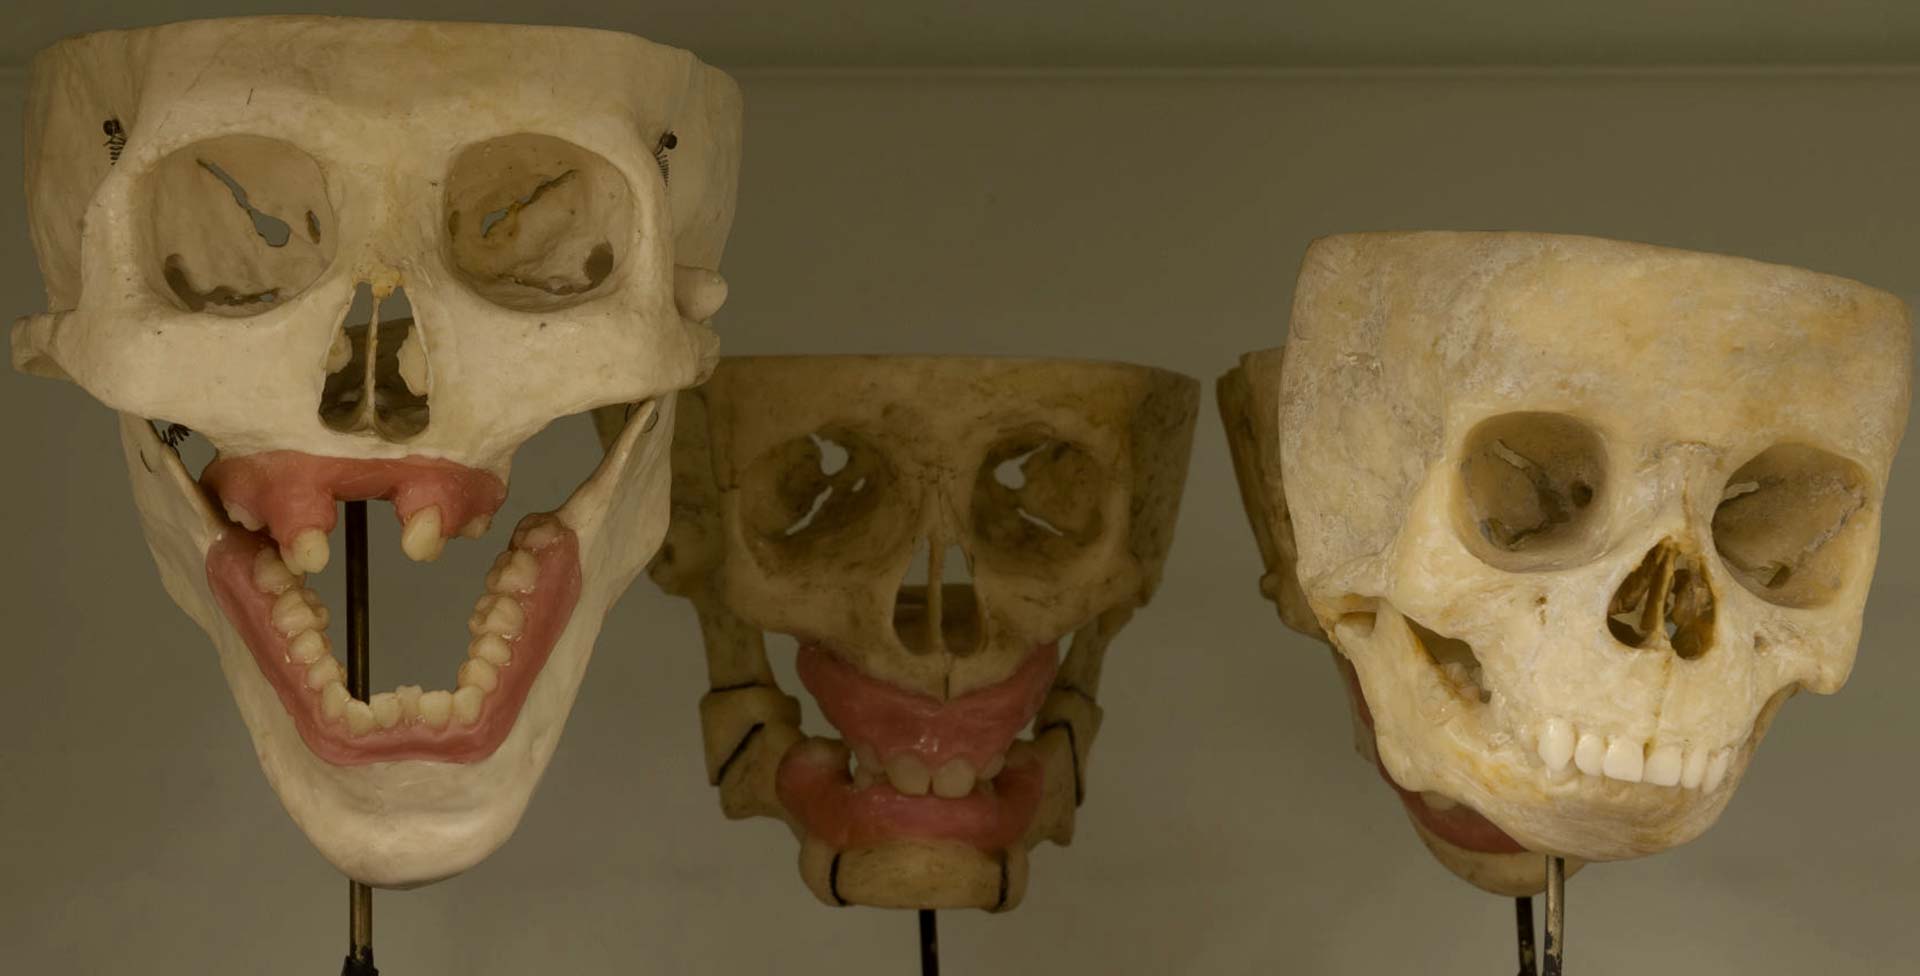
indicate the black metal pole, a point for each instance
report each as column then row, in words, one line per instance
column 1556, row 916
column 1523, row 922
column 359, row 897
column 929, row 944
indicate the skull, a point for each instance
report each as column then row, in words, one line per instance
column 934, row 533
column 1578, row 515
column 200, row 264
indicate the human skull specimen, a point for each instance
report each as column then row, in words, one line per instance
column 953, row 543
column 1578, row 516
column 205, row 200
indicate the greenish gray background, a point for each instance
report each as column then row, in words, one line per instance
column 1127, row 181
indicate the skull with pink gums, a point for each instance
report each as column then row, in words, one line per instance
column 1577, row 516
column 953, row 543
column 206, row 200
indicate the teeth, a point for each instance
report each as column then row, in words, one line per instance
column 436, row 707
column 540, row 536
column 324, row 672
column 1556, row 744
column 386, row 709
column 993, row 768
column 272, row 576
column 954, row 780
column 863, row 776
column 1438, row 802
column 1717, row 770
column 1626, row 760
column 1590, row 753
column 1663, row 767
column 239, row 514
column 1695, row 771
column 466, row 703
column 497, row 614
column 296, row 611
column 491, row 648
column 477, row 528
column 308, row 554
column 908, row 774
column 409, row 698
column 360, row 719
column 478, row 674
column 309, row 646
column 333, row 701
column 514, row 572
column 421, row 539
column 1629, row 760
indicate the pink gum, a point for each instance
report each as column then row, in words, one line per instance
column 292, row 491
column 976, row 727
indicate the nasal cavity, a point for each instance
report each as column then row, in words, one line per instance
column 1666, row 602
column 379, row 377
column 935, row 609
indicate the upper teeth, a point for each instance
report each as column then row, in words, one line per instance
column 308, row 553
column 421, row 538
column 1630, row 760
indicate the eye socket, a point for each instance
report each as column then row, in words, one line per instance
column 536, row 223
column 1037, row 500
column 1790, row 522
column 1531, row 484
column 237, row 224
column 823, row 496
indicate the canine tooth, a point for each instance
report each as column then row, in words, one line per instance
column 1590, row 753
column 491, row 648
column 325, row 671
column 477, row 673
column 386, row 709
column 271, row 575
column 435, row 708
column 294, row 612
column 309, row 553
column 238, row 513
column 1626, row 760
column 333, row 701
column 1556, row 744
column 466, row 704
column 1717, row 769
column 409, row 698
column 497, row 614
column 908, row 774
column 954, row 780
column 1663, row 767
column 1438, row 802
column 993, row 768
column 517, row 573
column 1695, row 771
column 309, row 646
column 420, row 539
column 477, row 527
column 360, row 719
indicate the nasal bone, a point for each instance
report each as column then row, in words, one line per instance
column 934, row 605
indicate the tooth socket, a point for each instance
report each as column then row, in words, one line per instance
column 1068, row 710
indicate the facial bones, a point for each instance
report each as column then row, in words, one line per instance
column 199, row 262
column 808, row 495
column 1579, row 514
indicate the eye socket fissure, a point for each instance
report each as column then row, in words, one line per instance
column 1037, row 501
column 1529, row 488
column 1790, row 522
column 535, row 223
column 824, row 495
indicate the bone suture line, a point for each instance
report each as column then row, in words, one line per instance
column 359, row 960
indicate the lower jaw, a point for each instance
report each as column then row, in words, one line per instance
column 549, row 607
column 820, row 794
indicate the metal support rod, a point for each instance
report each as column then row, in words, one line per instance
column 929, row 944
column 359, row 897
column 1556, row 916
column 1523, row 922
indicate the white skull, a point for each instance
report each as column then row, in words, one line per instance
column 1581, row 514
column 1038, row 497
column 200, row 260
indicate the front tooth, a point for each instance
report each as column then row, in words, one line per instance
column 333, row 701
column 360, row 718
column 491, row 648
column 1717, row 769
column 309, row 646
column 421, row 539
column 325, row 671
column 1556, row 744
column 238, row 513
column 386, row 709
column 517, row 572
column 477, row 673
column 497, row 614
column 435, row 708
column 954, row 780
column 409, row 698
column 308, row 554
column 1695, row 771
column 1664, row 766
column 1590, row 753
column 294, row 612
column 466, row 704
column 271, row 575
column 908, row 774
column 993, row 767
column 1626, row 760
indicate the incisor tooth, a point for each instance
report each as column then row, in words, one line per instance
column 309, row 553
column 360, row 719
column 954, row 780
column 517, row 573
column 420, row 539
column 466, row 704
column 1717, row 769
column 491, row 648
column 497, row 614
column 1626, row 760
column 333, row 701
column 1590, row 753
column 1556, row 744
column 908, row 774
column 409, row 698
column 309, row 646
column 477, row 673
column 1695, row 771
column 386, row 709
column 435, row 708
column 1664, row 766
column 270, row 575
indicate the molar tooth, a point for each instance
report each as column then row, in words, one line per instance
column 908, row 774
column 409, row 698
column 1664, row 766
column 1717, row 769
column 1626, row 759
column 477, row 673
column 1695, row 771
column 325, row 671
column 333, row 701
column 954, row 780
column 537, row 536
column 466, row 704
column 386, row 709
column 271, row 575
column 993, row 768
column 1590, row 753
column 491, row 648
column 497, row 614
column 435, row 708
column 238, row 514
column 308, row 553
column 420, row 539
column 294, row 612
column 1556, row 744
column 516, row 573
column 360, row 719
column 309, row 646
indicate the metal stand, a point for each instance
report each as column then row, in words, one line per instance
column 359, row 897
column 929, row 944
column 1556, row 916
column 1523, row 920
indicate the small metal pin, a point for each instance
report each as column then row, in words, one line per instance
column 1523, row 921
column 1556, row 916
column 359, row 897
column 929, row 944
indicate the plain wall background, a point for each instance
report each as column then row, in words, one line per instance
column 1230, row 828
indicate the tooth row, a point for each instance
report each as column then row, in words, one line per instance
column 1631, row 760
column 908, row 774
